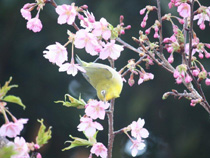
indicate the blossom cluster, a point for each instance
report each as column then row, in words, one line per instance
column 12, row 129
column 137, row 132
column 35, row 23
column 94, row 110
column 143, row 75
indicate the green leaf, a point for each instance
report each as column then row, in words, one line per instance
column 6, row 88
column 7, row 152
column 14, row 99
column 114, row 31
column 43, row 134
column 77, row 142
column 72, row 102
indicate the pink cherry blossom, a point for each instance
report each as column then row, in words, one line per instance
column 99, row 150
column 71, row 68
column 202, row 17
column 56, row 53
column 145, row 77
column 137, row 129
column 111, row 50
column 21, row 122
column 88, row 126
column 137, row 145
column 67, row 14
column 34, row 24
column 25, row 11
column 20, row 146
column 96, row 109
column 184, row 10
column 12, row 129
column 101, row 29
column 84, row 39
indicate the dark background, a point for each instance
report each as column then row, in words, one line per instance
column 176, row 129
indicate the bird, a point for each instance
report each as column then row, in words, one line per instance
column 106, row 80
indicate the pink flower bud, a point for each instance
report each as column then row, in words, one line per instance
column 181, row 21
column 38, row 155
column 148, row 31
column 188, row 79
column 170, row 49
column 122, row 32
column 183, row 74
column 207, row 45
column 80, row 17
column 207, row 55
column 143, row 24
column 195, row 72
column 202, row 26
column 128, row 27
column 171, row 59
column 145, row 18
column 207, row 81
column 200, row 55
column 156, row 35
column 142, row 11
column 84, row 6
column 131, row 82
column 166, row 40
column 176, row 74
column 179, row 80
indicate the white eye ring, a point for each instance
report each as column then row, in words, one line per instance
column 103, row 92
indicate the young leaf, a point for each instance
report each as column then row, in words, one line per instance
column 72, row 102
column 14, row 99
column 43, row 134
column 6, row 88
column 7, row 152
column 77, row 142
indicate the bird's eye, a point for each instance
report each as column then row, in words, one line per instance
column 103, row 92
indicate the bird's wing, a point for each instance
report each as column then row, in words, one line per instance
column 95, row 75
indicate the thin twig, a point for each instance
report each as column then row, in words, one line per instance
column 161, row 28
column 191, row 33
column 111, row 128
column 128, row 45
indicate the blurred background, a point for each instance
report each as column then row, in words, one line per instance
column 176, row 129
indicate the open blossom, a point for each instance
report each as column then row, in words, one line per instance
column 111, row 50
column 34, row 24
column 71, row 68
column 25, row 11
column 88, row 21
column 84, row 39
column 145, row 77
column 101, row 29
column 202, row 17
column 67, row 14
column 12, row 129
column 88, row 126
column 137, row 145
column 184, row 10
column 96, row 109
column 56, row 53
column 137, row 129
column 20, row 146
column 99, row 150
